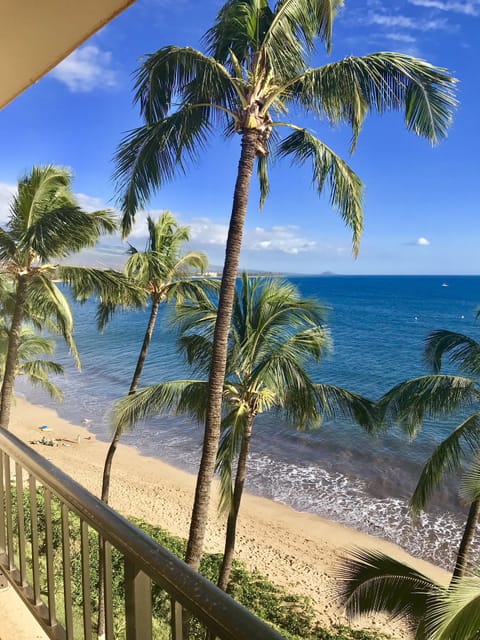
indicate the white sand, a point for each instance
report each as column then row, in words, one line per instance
column 298, row 550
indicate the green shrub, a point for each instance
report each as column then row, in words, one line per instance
column 291, row 615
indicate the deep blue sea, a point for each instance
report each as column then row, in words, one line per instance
column 378, row 324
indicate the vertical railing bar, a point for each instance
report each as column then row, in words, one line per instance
column 8, row 510
column 138, row 603
column 52, row 616
column 85, row 556
column 67, row 573
column 108, row 599
column 2, row 505
column 34, row 538
column 176, row 620
column 22, row 563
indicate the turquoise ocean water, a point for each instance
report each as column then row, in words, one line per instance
column 378, row 324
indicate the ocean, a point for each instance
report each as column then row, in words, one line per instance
column 378, row 324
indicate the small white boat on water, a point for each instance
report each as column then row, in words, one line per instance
column 444, row 284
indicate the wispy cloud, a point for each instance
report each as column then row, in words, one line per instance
column 209, row 234
column 286, row 239
column 86, row 69
column 467, row 8
column 90, row 203
column 407, row 22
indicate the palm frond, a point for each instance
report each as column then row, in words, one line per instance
column 149, row 156
column 108, row 285
column 47, row 305
column 66, row 229
column 8, row 246
column 345, row 91
column 455, row 613
column 470, row 484
column 408, row 403
column 447, row 457
column 460, row 349
column 170, row 71
column 169, row 398
column 292, row 32
column 345, row 186
column 239, row 29
column 262, row 174
column 371, row 582
column 43, row 188
column 233, row 428
column 335, row 402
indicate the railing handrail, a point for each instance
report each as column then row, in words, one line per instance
column 197, row 594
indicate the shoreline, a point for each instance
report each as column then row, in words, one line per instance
column 295, row 549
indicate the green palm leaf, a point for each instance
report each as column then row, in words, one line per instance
column 345, row 185
column 150, row 155
column 470, row 485
column 168, row 398
column 460, row 349
column 447, row 457
column 165, row 74
column 64, row 230
column 427, row 396
column 455, row 614
column 293, row 30
column 371, row 582
column 345, row 91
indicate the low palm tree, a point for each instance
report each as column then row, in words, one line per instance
column 254, row 69
column 434, row 396
column 274, row 335
column 45, row 224
column 164, row 274
column 372, row 582
column 31, row 359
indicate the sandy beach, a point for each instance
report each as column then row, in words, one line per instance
column 298, row 550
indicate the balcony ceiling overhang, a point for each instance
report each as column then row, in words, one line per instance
column 35, row 35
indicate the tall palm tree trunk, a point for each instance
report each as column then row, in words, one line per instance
column 201, row 503
column 11, row 359
column 463, row 549
column 230, row 536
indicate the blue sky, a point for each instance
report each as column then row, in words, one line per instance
column 421, row 203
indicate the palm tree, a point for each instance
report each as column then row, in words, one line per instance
column 433, row 396
column 254, row 69
column 372, row 582
column 164, row 274
column 274, row 335
column 45, row 224
column 31, row 361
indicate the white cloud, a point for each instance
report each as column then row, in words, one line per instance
column 467, row 8
column 86, row 69
column 90, row 203
column 209, row 235
column 406, row 22
column 422, row 242
column 286, row 239
column 6, row 192
column 401, row 37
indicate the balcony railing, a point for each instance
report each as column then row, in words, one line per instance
column 50, row 531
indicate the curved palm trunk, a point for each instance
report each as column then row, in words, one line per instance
column 11, row 359
column 201, row 503
column 109, row 459
column 229, row 550
column 464, row 548
column 133, row 387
